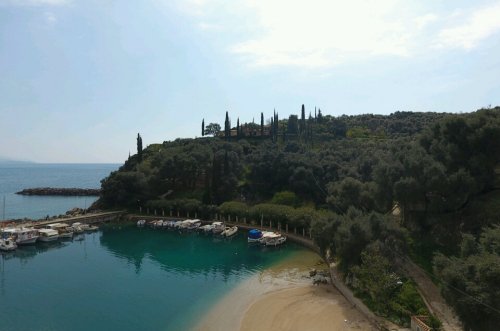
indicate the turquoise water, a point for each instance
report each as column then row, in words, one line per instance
column 14, row 178
column 125, row 278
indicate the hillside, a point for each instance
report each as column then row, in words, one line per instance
column 341, row 177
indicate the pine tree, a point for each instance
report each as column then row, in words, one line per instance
column 203, row 128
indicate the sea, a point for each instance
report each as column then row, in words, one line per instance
column 121, row 277
column 16, row 177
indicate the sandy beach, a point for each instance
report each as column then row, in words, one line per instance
column 283, row 298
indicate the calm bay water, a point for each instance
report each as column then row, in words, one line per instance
column 14, row 178
column 125, row 278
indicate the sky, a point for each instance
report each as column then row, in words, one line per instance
column 79, row 79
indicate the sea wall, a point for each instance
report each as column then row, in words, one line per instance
column 60, row 191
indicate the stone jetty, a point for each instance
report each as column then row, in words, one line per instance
column 60, row 191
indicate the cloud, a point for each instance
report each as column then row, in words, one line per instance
column 34, row 3
column 478, row 26
column 326, row 33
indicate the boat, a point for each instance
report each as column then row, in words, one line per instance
column 141, row 223
column 191, row 224
column 47, row 235
column 275, row 241
column 218, row 227
column 229, row 231
column 79, row 227
column 92, row 228
column 207, row 228
column 63, row 229
column 268, row 235
column 254, row 236
column 22, row 235
column 7, row 244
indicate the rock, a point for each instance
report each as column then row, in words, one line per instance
column 312, row 273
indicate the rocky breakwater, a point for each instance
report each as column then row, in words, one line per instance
column 60, row 191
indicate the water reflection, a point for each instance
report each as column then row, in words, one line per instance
column 188, row 254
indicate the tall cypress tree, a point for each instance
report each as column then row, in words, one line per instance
column 272, row 129
column 238, row 128
column 302, row 126
column 139, row 148
column 227, row 127
column 261, row 124
column 203, row 128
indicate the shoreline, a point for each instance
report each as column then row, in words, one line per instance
column 282, row 297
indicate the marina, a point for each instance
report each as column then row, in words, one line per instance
column 141, row 277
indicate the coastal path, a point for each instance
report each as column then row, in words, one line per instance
column 432, row 297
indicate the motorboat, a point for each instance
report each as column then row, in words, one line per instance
column 79, row 227
column 218, row 227
column 229, row 231
column 191, row 224
column 141, row 223
column 47, row 235
column 63, row 229
column 22, row 235
column 92, row 228
column 275, row 241
column 268, row 235
column 254, row 236
column 207, row 228
column 7, row 244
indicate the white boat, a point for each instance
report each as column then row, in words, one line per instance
column 47, row 235
column 229, row 231
column 64, row 230
column 22, row 236
column 218, row 227
column 141, row 222
column 191, row 224
column 268, row 235
column 79, row 227
column 92, row 228
column 7, row 244
column 207, row 228
column 276, row 241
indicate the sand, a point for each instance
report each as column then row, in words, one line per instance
column 283, row 298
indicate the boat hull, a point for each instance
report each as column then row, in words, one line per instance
column 48, row 239
column 28, row 241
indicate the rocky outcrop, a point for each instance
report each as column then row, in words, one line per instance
column 61, row 191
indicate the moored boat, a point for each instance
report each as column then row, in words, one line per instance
column 269, row 236
column 229, row 231
column 218, row 227
column 22, row 235
column 254, row 236
column 63, row 229
column 79, row 227
column 275, row 241
column 207, row 228
column 47, row 235
column 141, row 223
column 191, row 224
column 7, row 244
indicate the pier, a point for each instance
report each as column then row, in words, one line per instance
column 90, row 218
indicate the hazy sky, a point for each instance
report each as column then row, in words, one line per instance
column 80, row 79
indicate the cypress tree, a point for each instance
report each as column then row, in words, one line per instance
column 139, row 148
column 203, row 128
column 227, row 127
column 272, row 129
column 261, row 124
column 302, row 126
column 320, row 116
column 238, row 128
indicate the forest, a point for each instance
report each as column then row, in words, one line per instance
column 369, row 188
